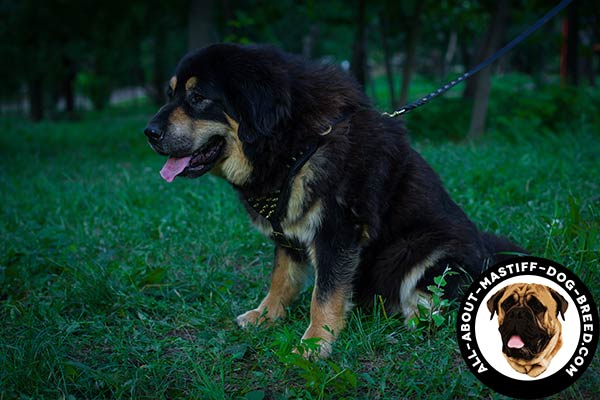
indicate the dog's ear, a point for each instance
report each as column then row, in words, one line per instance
column 259, row 101
column 561, row 303
column 492, row 303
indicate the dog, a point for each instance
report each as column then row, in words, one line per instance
column 529, row 326
column 330, row 180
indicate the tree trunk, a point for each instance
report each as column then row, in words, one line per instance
column 572, row 45
column 411, row 50
column 359, row 49
column 201, row 30
column 467, row 60
column 484, row 77
column 36, row 99
column 308, row 41
column 68, row 87
column 387, row 57
column 157, row 87
column 450, row 52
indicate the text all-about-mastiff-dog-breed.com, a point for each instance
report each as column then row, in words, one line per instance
column 330, row 180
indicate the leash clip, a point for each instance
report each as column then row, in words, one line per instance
column 327, row 132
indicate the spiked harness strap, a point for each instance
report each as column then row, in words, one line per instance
column 273, row 206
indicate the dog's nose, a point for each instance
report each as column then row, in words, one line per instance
column 521, row 314
column 153, row 132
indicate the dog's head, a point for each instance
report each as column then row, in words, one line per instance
column 221, row 100
column 527, row 318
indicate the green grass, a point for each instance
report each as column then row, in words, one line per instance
column 115, row 284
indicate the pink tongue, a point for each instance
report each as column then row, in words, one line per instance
column 173, row 167
column 515, row 342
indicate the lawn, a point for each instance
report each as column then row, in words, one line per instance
column 115, row 284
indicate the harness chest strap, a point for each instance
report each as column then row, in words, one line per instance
column 273, row 206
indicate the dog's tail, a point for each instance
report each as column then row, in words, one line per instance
column 500, row 248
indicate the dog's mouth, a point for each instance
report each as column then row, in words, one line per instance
column 515, row 342
column 196, row 164
column 525, row 345
column 517, row 346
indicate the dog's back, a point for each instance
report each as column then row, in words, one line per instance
column 415, row 230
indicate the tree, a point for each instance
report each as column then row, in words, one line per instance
column 412, row 39
column 201, row 24
column 387, row 55
column 359, row 48
column 572, row 36
column 483, row 79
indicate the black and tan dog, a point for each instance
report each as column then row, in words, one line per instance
column 528, row 324
column 333, row 182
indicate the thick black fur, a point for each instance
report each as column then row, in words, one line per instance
column 384, row 209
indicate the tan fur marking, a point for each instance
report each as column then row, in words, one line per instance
column 327, row 319
column 365, row 237
column 312, row 254
column 299, row 194
column 286, row 282
column 173, row 83
column 235, row 167
column 179, row 118
column 409, row 298
column 233, row 123
column 304, row 229
column 196, row 132
column 191, row 83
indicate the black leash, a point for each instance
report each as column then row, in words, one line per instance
column 418, row 103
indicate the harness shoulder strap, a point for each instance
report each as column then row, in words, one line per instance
column 273, row 207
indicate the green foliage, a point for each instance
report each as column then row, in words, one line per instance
column 433, row 311
column 443, row 119
column 322, row 378
column 517, row 108
column 114, row 284
column 546, row 109
column 96, row 88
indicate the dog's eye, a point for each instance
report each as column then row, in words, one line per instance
column 508, row 303
column 196, row 98
column 536, row 306
column 169, row 93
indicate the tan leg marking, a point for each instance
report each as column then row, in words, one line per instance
column 327, row 319
column 286, row 282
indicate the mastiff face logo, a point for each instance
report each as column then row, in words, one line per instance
column 529, row 326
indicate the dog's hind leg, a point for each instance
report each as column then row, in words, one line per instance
column 289, row 275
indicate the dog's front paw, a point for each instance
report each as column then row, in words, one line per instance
column 316, row 343
column 252, row 317
column 259, row 316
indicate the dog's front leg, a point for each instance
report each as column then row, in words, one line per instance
column 331, row 297
column 289, row 275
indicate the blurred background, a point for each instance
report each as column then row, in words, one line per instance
column 115, row 284
column 62, row 58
